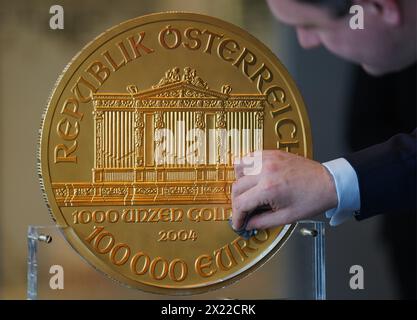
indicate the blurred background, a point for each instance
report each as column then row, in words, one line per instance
column 33, row 56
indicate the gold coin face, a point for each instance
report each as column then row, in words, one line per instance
column 138, row 144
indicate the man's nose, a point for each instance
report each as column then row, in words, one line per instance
column 308, row 39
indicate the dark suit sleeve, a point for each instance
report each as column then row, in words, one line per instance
column 387, row 176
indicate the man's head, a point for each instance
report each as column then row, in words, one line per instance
column 386, row 44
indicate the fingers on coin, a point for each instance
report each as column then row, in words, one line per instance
column 244, row 204
column 243, row 184
column 269, row 219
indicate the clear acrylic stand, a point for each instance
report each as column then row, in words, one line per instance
column 297, row 271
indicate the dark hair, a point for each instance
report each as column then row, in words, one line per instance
column 338, row 8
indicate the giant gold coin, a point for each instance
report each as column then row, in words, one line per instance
column 138, row 144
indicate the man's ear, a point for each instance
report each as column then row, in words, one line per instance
column 388, row 10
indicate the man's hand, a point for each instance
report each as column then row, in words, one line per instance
column 294, row 187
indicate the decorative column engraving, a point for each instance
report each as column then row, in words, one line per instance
column 221, row 147
column 159, row 124
column 99, row 152
column 200, row 122
column 138, row 131
column 259, row 130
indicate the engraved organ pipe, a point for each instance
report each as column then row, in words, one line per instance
column 182, row 138
column 187, row 143
column 129, row 135
column 116, row 140
column 230, row 139
column 105, row 139
column 111, row 140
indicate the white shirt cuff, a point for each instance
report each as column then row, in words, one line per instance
column 347, row 188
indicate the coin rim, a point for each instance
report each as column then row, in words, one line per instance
column 43, row 169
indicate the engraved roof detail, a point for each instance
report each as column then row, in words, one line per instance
column 173, row 85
